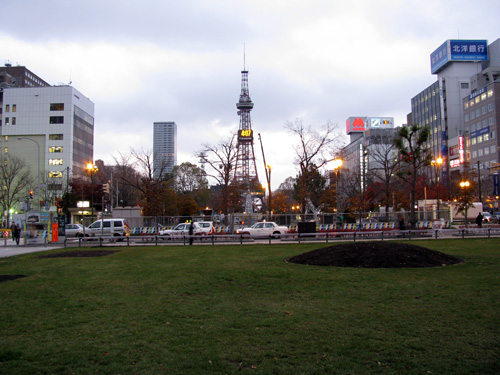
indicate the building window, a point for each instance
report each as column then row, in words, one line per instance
column 57, row 106
column 7, row 121
column 474, row 154
column 464, row 85
column 483, row 109
column 55, row 149
column 55, row 174
column 486, row 137
column 55, row 137
column 492, row 149
column 56, row 120
column 486, row 150
column 7, row 108
column 483, row 96
column 473, row 141
column 480, row 152
column 55, row 161
column 479, row 139
column 6, row 149
column 490, row 107
column 491, row 121
column 14, row 108
column 13, row 121
column 490, row 93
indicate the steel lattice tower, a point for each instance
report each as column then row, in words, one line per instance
column 245, row 169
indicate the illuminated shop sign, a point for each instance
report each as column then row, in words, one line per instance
column 355, row 124
column 454, row 163
column 461, row 150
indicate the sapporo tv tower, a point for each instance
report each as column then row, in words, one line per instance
column 246, row 170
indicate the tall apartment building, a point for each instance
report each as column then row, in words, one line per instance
column 164, row 148
column 50, row 127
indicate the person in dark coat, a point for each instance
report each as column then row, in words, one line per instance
column 191, row 229
column 479, row 220
column 402, row 225
column 16, row 233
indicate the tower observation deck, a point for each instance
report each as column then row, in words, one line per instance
column 245, row 170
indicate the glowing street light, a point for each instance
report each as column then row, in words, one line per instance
column 92, row 170
column 437, row 164
column 465, row 186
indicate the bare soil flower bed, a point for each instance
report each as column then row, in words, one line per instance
column 375, row 254
column 10, row 277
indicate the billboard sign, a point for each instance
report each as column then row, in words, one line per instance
column 458, row 50
column 355, row 124
column 380, row 122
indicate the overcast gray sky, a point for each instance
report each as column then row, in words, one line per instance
column 318, row 60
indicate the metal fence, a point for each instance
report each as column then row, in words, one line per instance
column 325, row 237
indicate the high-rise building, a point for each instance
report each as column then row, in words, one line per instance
column 164, row 148
column 50, row 127
column 439, row 106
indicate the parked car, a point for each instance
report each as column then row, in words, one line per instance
column 73, row 230
column 487, row 217
column 108, row 227
column 264, row 229
column 200, row 228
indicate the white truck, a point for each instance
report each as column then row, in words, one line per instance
column 472, row 212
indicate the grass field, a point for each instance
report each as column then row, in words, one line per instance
column 242, row 309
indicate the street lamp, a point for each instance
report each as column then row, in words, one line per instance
column 38, row 145
column 92, row 169
column 437, row 163
column 337, row 163
column 465, row 186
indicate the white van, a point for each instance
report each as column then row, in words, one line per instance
column 108, row 227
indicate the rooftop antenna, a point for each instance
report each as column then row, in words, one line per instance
column 70, row 81
column 244, row 57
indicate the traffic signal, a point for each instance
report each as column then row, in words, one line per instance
column 30, row 195
column 106, row 188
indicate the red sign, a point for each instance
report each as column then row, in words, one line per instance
column 461, row 153
column 358, row 125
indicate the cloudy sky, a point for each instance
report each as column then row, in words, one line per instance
column 164, row 60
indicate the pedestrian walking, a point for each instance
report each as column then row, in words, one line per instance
column 191, row 230
column 479, row 220
column 16, row 233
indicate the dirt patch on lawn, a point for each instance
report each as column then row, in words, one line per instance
column 10, row 277
column 375, row 254
column 80, row 254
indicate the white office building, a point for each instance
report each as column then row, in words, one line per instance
column 164, row 148
column 51, row 128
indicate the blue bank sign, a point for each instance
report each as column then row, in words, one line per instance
column 458, row 50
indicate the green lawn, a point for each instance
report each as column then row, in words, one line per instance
column 242, row 309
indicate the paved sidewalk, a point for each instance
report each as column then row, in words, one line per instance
column 12, row 250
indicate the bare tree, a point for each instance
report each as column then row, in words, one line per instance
column 15, row 181
column 313, row 150
column 222, row 159
column 152, row 189
column 386, row 164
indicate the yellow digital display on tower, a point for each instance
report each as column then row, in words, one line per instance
column 245, row 135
